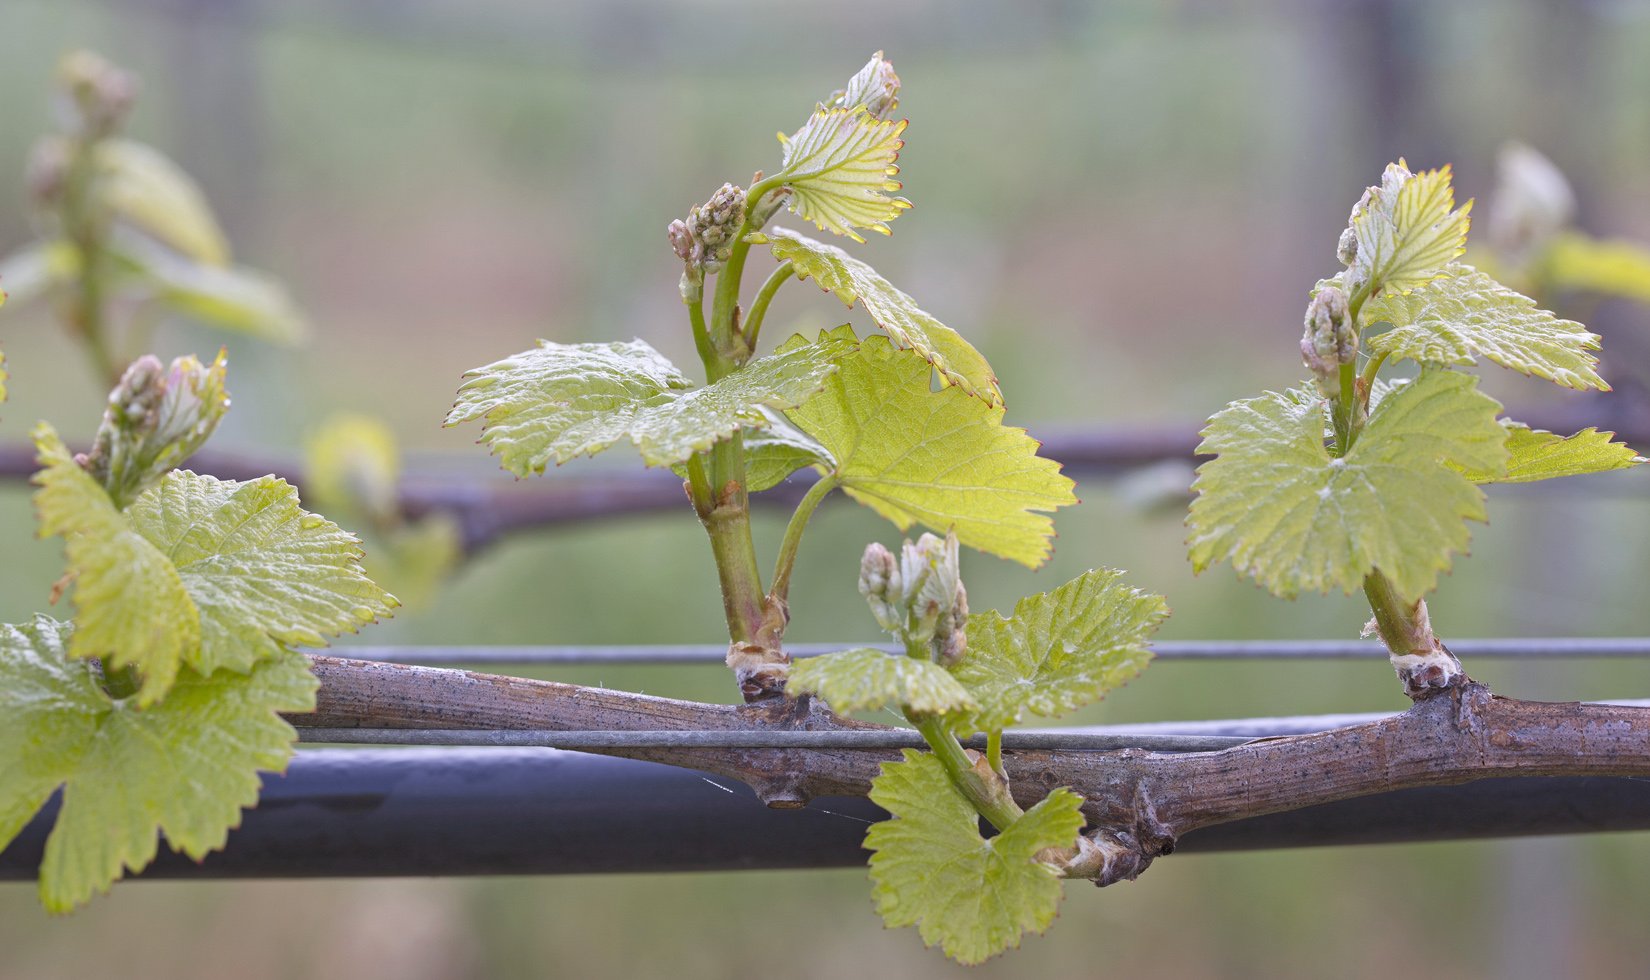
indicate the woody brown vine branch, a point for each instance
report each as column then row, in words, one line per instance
column 1138, row 803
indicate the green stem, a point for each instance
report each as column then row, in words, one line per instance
column 994, row 752
column 1342, row 415
column 701, row 335
column 726, row 299
column 764, row 296
column 81, row 225
column 793, row 535
column 991, row 801
column 1398, row 622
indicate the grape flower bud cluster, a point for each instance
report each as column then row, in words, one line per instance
column 919, row 596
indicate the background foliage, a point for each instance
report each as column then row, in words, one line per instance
column 1117, row 204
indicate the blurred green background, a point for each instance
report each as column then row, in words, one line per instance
column 1122, row 204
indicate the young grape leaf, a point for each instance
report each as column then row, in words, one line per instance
column 1060, row 650
column 1407, row 230
column 1282, row 510
column 563, row 400
column 185, row 766
column 232, row 298
column 264, row 573
column 931, row 868
column 851, row 280
column 840, row 167
column 874, row 86
column 1536, row 454
column 942, row 458
column 143, row 186
column 1468, row 313
column 131, row 606
column 867, row 679
column 1609, row 266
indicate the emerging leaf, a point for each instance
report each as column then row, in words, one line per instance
column 1612, row 267
column 562, row 400
column 931, row 868
column 1407, row 230
column 264, row 573
column 1282, row 510
column 1061, row 650
column 941, row 459
column 1468, row 313
column 840, row 167
column 867, row 679
column 875, row 87
column 131, row 608
column 1535, row 454
column 184, row 767
column 851, row 280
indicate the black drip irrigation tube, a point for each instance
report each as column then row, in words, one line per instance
column 389, row 812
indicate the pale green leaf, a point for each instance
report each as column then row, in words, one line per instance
column 33, row 270
column 1613, row 267
column 931, row 868
column 184, row 767
column 941, row 459
column 1408, row 230
column 50, row 708
column 773, row 453
column 130, row 605
column 778, row 449
column 1535, row 454
column 264, row 573
column 143, row 186
column 851, row 281
column 232, row 298
column 563, row 400
column 1060, row 650
column 867, row 679
column 1282, row 510
column 840, row 167
column 1467, row 313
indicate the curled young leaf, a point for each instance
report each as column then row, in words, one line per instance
column 853, row 281
column 1406, row 231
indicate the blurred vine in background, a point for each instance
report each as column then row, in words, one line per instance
column 353, row 469
column 1535, row 246
column 125, row 237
